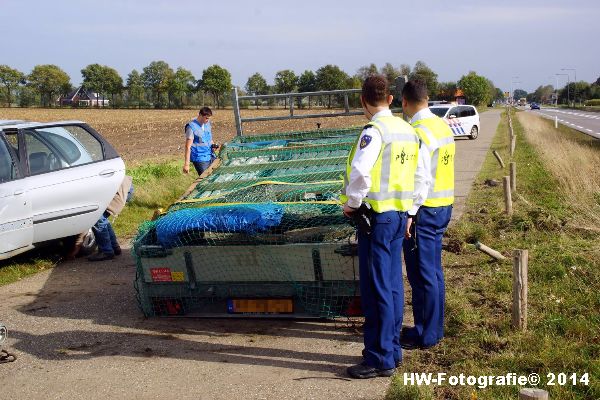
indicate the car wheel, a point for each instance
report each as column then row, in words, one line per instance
column 88, row 245
column 474, row 132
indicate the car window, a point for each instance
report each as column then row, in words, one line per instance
column 13, row 141
column 454, row 111
column 463, row 112
column 472, row 112
column 439, row 111
column 8, row 171
column 75, row 145
column 40, row 156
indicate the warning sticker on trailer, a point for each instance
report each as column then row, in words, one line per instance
column 177, row 276
column 161, row 274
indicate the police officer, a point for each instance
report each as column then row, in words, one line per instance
column 380, row 171
column 423, row 244
column 198, row 142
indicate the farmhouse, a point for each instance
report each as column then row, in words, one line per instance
column 81, row 97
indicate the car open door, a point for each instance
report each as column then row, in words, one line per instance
column 73, row 175
column 16, row 223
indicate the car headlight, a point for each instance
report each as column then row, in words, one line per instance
column 3, row 333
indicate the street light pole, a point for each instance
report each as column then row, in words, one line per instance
column 575, row 82
column 568, row 84
column 512, row 94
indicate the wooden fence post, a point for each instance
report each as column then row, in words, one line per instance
column 507, row 195
column 519, row 304
column 533, row 394
column 513, row 177
column 513, row 144
column 498, row 158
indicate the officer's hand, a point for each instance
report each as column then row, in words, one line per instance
column 348, row 211
column 407, row 234
column 186, row 168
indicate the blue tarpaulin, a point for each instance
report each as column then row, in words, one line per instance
column 245, row 218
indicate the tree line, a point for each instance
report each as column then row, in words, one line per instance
column 158, row 85
column 574, row 92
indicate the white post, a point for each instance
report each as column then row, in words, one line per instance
column 556, row 122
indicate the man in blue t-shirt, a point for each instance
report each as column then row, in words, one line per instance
column 198, row 142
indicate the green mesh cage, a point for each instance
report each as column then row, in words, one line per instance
column 263, row 233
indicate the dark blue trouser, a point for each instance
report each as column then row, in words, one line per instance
column 105, row 235
column 425, row 274
column 201, row 166
column 381, row 289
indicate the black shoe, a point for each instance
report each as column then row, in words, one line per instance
column 412, row 345
column 117, row 251
column 361, row 371
column 100, row 256
column 398, row 363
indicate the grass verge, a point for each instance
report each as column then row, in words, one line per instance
column 564, row 288
column 156, row 186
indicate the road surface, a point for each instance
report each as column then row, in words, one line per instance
column 584, row 121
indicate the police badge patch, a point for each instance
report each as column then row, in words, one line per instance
column 364, row 141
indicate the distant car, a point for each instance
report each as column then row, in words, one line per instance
column 534, row 106
column 56, row 179
column 463, row 119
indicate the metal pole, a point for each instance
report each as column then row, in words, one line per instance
column 236, row 112
column 291, row 106
column 346, row 105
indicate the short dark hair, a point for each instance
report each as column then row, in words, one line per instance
column 375, row 90
column 415, row 91
column 205, row 111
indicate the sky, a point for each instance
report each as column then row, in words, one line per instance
column 515, row 43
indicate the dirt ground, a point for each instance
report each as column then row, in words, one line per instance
column 77, row 331
column 156, row 135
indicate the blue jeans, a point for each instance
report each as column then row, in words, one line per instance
column 105, row 236
column 381, row 288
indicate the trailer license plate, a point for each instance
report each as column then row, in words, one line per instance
column 260, row 306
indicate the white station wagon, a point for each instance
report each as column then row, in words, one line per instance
column 56, row 179
column 462, row 119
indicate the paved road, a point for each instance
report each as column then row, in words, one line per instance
column 583, row 121
column 77, row 331
column 469, row 158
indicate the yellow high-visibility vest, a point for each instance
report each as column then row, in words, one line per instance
column 393, row 175
column 434, row 129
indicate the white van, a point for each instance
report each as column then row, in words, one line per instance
column 463, row 119
column 56, row 179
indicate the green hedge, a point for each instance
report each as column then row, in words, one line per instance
column 593, row 102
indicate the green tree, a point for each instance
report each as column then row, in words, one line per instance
column 518, row 93
column 366, row 70
column 307, row 82
column 156, row 77
column 181, row 84
column 102, row 80
column 446, row 91
column 390, row 72
column 543, row 94
column 135, row 87
column 475, row 87
column 405, row 70
column 422, row 71
column 216, row 80
column 10, row 79
column 49, row 80
column 257, row 85
column 331, row 77
column 286, row 81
